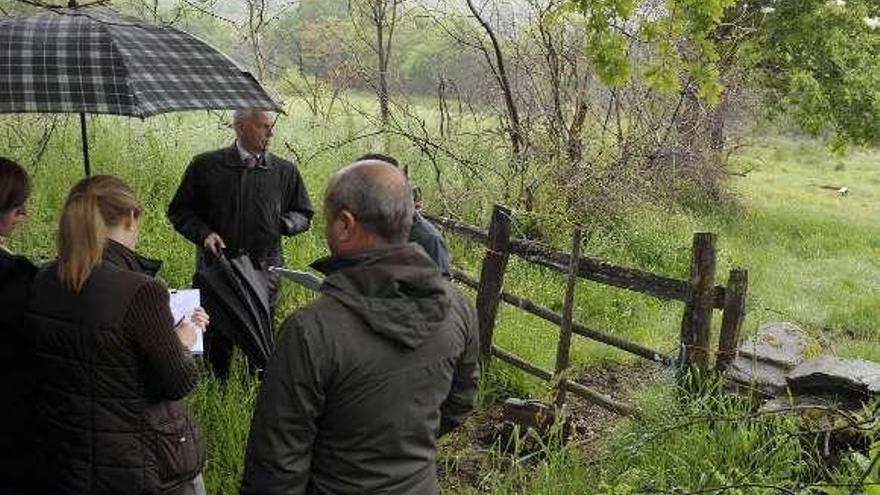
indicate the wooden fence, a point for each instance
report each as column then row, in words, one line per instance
column 699, row 294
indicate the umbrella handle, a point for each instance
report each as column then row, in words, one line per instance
column 219, row 256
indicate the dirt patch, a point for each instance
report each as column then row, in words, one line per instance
column 485, row 442
column 592, row 423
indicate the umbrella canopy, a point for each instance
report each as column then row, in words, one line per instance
column 94, row 60
column 235, row 293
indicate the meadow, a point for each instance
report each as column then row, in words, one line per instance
column 812, row 256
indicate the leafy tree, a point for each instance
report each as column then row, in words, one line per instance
column 819, row 62
column 679, row 31
column 816, row 60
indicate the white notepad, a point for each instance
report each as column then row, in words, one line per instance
column 183, row 303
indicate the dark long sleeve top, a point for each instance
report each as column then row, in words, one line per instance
column 170, row 372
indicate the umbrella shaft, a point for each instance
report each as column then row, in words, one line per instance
column 85, row 144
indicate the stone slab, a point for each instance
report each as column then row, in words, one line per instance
column 765, row 377
column 781, row 343
column 830, row 374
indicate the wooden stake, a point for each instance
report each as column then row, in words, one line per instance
column 563, row 347
column 732, row 320
column 492, row 276
column 697, row 319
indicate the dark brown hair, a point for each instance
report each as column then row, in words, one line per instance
column 15, row 185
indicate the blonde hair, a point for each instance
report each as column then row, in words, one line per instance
column 93, row 205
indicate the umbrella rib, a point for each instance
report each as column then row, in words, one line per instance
column 135, row 105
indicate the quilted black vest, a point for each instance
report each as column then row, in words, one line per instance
column 100, row 433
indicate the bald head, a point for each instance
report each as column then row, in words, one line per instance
column 377, row 197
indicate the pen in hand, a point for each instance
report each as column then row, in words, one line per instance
column 187, row 333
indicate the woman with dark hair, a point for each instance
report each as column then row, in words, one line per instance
column 16, row 273
column 113, row 367
column 15, row 187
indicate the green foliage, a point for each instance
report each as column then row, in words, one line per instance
column 681, row 39
column 820, row 61
column 606, row 46
column 684, row 443
column 809, row 253
column 817, row 60
column 223, row 411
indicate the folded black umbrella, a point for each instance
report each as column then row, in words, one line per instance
column 236, row 295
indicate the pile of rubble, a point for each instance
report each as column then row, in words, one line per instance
column 776, row 365
column 829, row 393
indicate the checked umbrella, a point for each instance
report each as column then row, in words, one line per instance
column 93, row 60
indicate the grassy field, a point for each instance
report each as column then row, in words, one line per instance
column 811, row 253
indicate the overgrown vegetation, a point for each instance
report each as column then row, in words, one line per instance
column 601, row 120
column 708, row 443
column 808, row 249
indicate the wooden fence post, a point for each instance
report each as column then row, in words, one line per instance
column 492, row 276
column 564, row 345
column 697, row 319
column 732, row 319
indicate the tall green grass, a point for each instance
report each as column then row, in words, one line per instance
column 223, row 412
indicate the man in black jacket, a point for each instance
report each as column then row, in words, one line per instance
column 422, row 232
column 364, row 380
column 241, row 199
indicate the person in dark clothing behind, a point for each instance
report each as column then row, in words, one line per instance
column 112, row 366
column 241, row 199
column 422, row 232
column 365, row 379
column 16, row 273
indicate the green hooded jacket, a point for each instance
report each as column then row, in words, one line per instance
column 364, row 380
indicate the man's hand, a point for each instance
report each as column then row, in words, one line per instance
column 200, row 318
column 214, row 243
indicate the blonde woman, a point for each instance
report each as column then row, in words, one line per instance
column 112, row 365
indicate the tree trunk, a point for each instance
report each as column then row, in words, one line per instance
column 514, row 129
column 382, row 89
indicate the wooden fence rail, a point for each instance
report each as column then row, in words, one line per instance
column 603, row 400
column 589, row 268
column 577, row 328
column 699, row 294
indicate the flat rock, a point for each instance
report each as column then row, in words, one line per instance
column 781, row 343
column 830, row 375
column 762, row 362
column 528, row 413
column 766, row 378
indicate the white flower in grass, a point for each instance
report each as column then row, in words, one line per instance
column 767, row 10
column 836, row 3
column 872, row 22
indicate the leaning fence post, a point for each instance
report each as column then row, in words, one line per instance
column 732, row 319
column 492, row 276
column 564, row 345
column 697, row 319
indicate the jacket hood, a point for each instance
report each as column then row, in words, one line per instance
column 120, row 256
column 396, row 290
